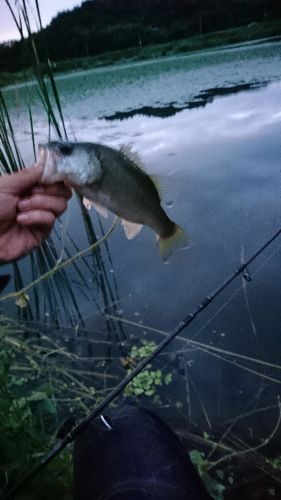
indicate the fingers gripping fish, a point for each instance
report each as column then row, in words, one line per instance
column 112, row 179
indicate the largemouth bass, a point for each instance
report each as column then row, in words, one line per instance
column 115, row 180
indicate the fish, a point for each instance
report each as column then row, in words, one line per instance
column 114, row 180
column 4, row 280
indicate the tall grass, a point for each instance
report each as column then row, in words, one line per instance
column 59, row 296
column 42, row 380
column 58, row 293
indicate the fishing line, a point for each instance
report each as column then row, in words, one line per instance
column 63, row 264
column 63, row 230
column 227, row 301
column 61, row 445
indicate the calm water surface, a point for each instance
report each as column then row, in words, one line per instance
column 209, row 125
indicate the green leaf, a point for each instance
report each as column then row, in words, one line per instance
column 197, row 457
column 215, row 488
column 150, row 392
column 138, row 391
column 37, row 396
column 168, row 378
column 49, row 406
column 220, row 473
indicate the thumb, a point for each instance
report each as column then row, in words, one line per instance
column 21, row 181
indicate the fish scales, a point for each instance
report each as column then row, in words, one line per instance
column 136, row 200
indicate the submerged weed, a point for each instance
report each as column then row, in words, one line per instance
column 148, row 381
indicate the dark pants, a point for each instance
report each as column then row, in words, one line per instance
column 133, row 456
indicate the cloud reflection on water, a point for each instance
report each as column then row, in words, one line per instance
column 227, row 118
column 227, row 172
column 226, row 162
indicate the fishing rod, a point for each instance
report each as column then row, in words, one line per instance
column 60, row 446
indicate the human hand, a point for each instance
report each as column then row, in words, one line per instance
column 28, row 211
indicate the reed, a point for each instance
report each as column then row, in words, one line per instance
column 60, row 297
column 45, row 378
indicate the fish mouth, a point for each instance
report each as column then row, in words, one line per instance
column 48, row 159
column 42, row 156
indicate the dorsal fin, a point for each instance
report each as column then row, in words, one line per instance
column 133, row 156
column 166, row 189
column 164, row 185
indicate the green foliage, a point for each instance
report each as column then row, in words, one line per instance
column 59, row 296
column 275, row 462
column 149, row 380
column 179, row 45
column 215, row 488
column 37, row 389
column 39, row 380
column 23, row 434
column 101, row 26
column 138, row 352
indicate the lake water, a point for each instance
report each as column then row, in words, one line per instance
column 208, row 124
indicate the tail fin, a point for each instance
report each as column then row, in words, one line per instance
column 178, row 240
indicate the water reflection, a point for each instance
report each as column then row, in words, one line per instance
column 198, row 101
column 225, row 158
column 91, row 95
column 227, row 175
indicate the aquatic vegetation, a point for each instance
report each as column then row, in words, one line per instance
column 214, row 487
column 46, row 256
column 42, row 381
column 275, row 462
column 28, row 409
column 147, row 382
column 60, row 303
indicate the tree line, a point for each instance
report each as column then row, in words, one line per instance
column 99, row 26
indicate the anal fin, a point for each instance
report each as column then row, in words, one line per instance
column 131, row 228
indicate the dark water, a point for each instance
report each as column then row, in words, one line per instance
column 209, row 125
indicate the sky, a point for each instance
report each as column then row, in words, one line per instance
column 48, row 9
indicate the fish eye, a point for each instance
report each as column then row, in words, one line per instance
column 66, row 149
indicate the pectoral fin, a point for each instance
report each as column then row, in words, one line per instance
column 99, row 208
column 131, row 229
column 87, row 203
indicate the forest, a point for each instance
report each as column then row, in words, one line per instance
column 100, row 26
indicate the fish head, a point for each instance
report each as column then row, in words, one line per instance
column 68, row 161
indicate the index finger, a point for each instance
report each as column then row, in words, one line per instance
column 56, row 189
column 21, row 181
